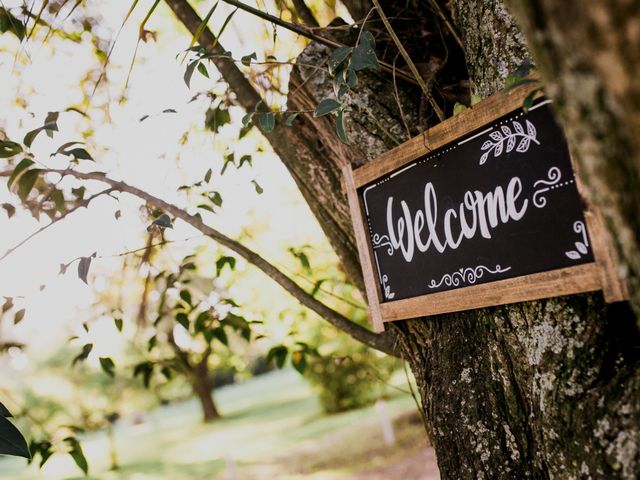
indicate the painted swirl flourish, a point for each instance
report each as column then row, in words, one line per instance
column 466, row 275
column 380, row 241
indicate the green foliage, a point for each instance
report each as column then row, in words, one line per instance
column 9, row 23
column 345, row 383
column 11, row 440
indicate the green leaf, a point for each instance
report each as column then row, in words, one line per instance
column 26, row 183
column 31, row 136
column 289, row 121
column 185, row 295
column 77, row 454
column 279, row 354
column 84, row 354
column 246, row 120
column 458, row 108
column 107, row 365
column 203, row 25
column 18, row 316
column 222, row 261
column 245, row 159
column 221, row 335
column 9, row 148
column 259, row 189
column 118, row 323
column 299, row 361
column 326, row 106
column 146, row 370
column 153, row 341
column 342, row 134
column 203, row 70
column 183, row 319
column 216, row 198
column 4, row 411
column 20, row 168
column 83, row 267
column 201, row 321
column 228, row 160
column 364, row 55
column 188, row 73
column 317, row 286
column 266, row 121
column 163, row 221
column 207, row 176
column 246, row 60
column 80, row 154
column 9, row 23
column 338, row 56
column 11, row 440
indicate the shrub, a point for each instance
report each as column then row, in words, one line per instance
column 345, row 383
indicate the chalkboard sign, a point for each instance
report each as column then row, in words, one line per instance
column 496, row 206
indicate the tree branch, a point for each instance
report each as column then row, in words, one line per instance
column 380, row 342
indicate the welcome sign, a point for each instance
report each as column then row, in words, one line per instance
column 492, row 216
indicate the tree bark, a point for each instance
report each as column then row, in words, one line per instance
column 203, row 389
column 533, row 390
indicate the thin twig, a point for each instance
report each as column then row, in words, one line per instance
column 410, row 63
column 397, row 97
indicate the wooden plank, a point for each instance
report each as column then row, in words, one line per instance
column 613, row 288
column 566, row 281
column 470, row 119
column 372, row 287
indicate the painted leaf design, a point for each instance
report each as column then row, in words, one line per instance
column 497, row 136
column 498, row 150
column 484, row 157
column 517, row 127
column 581, row 247
column 531, row 130
column 523, row 146
column 506, row 130
column 573, row 255
column 486, row 145
column 511, row 143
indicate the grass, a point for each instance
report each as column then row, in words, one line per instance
column 273, row 428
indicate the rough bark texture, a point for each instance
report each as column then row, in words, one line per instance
column 536, row 390
column 589, row 54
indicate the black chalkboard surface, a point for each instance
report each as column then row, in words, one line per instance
column 497, row 203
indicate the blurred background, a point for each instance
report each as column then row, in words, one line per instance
column 176, row 359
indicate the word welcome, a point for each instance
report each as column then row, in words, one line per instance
column 478, row 212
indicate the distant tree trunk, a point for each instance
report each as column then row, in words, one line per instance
column 203, row 389
column 545, row 389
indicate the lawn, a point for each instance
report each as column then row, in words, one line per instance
column 273, row 428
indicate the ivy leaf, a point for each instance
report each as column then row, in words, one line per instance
column 107, row 365
column 338, row 56
column 267, row 121
column 326, row 106
column 364, row 55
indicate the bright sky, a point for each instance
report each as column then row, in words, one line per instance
column 146, row 154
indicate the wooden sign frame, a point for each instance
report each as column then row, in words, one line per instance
column 597, row 275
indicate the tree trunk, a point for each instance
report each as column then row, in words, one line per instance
column 203, row 389
column 533, row 390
